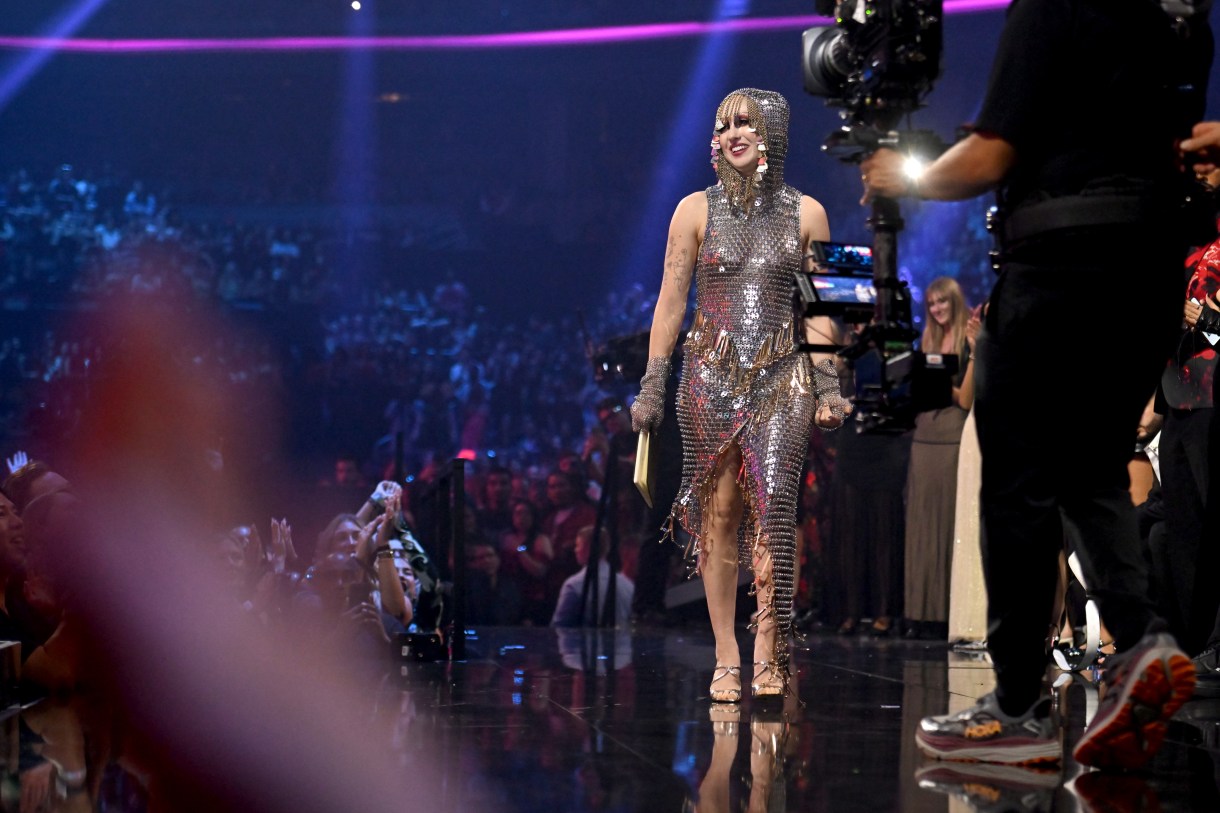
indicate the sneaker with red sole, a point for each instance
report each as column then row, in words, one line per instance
column 1144, row 688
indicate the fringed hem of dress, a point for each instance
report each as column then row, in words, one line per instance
column 754, row 546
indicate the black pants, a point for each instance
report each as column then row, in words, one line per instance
column 1058, row 402
column 1207, row 597
column 1184, row 480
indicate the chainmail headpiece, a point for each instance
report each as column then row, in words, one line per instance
column 769, row 116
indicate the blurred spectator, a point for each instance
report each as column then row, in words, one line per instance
column 340, row 535
column 491, row 598
column 12, row 564
column 570, row 511
column 391, row 586
column 230, row 557
column 573, row 609
column 65, row 192
column 33, row 481
column 108, row 233
column 51, row 634
column 527, row 554
column 338, row 596
column 260, row 577
column 611, row 446
column 347, row 475
column 139, row 202
column 495, row 512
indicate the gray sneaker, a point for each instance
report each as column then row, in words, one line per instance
column 984, row 733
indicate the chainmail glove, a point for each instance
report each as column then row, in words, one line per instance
column 826, row 385
column 649, row 406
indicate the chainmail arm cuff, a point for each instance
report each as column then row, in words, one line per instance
column 826, row 386
column 649, row 406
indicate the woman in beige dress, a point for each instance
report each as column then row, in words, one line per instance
column 932, row 476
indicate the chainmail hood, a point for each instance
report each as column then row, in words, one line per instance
column 769, row 114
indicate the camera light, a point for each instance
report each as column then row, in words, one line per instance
column 355, row 5
column 914, row 167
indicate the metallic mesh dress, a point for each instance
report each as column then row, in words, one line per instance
column 743, row 381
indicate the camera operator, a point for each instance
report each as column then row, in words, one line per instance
column 1077, row 132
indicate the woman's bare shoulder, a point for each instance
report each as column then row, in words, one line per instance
column 693, row 204
column 814, row 223
column 691, row 213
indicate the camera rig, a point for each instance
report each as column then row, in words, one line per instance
column 878, row 63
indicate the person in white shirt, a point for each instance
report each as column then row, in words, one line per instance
column 570, row 610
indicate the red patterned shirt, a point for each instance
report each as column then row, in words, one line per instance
column 1189, row 379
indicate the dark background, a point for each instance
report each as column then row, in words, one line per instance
column 589, row 144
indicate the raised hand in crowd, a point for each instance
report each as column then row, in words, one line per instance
column 281, row 550
column 364, row 539
column 18, row 460
column 393, row 595
column 973, row 326
column 377, row 501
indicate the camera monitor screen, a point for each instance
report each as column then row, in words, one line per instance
column 838, row 280
column 843, row 256
column 829, row 288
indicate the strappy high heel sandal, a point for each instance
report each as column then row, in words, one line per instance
column 725, row 695
column 769, row 689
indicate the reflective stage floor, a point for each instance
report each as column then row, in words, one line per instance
column 547, row 720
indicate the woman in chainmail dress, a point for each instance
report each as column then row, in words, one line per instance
column 747, row 396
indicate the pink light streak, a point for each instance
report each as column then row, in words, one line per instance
column 469, row 42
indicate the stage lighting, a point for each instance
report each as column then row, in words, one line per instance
column 355, row 5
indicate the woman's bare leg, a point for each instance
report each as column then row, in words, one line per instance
column 766, row 675
column 719, row 568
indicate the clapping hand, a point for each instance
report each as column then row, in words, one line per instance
column 364, row 540
column 15, row 462
column 973, row 326
column 385, row 489
column 281, row 545
column 389, row 520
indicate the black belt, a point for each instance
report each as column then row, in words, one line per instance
column 1075, row 212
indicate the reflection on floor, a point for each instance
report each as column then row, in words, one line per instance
column 540, row 720
column 582, row 720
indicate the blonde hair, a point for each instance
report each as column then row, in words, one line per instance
column 959, row 315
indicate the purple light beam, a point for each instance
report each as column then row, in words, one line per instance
column 522, row 39
column 17, row 71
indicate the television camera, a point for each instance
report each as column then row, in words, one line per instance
column 877, row 62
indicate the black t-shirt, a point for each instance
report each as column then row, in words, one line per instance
column 1087, row 92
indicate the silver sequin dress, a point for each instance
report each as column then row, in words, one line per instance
column 743, row 381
